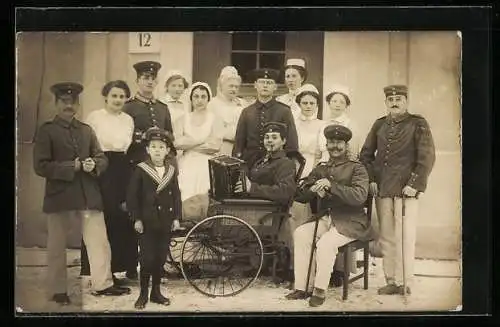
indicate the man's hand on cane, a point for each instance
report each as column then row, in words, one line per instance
column 321, row 187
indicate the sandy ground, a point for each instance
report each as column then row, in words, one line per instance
column 440, row 292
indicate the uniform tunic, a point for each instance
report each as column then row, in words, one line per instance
column 72, row 193
column 273, row 178
column 57, row 144
column 156, row 201
column 146, row 113
column 249, row 144
column 397, row 152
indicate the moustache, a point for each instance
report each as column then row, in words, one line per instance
column 335, row 149
column 394, row 106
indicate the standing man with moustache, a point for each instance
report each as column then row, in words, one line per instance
column 67, row 154
column 399, row 155
column 249, row 139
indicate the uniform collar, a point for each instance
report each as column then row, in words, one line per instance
column 141, row 98
column 338, row 162
column 64, row 123
column 397, row 119
column 275, row 155
column 265, row 105
column 278, row 154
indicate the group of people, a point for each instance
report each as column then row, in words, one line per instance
column 133, row 170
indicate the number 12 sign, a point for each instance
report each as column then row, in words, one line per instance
column 144, row 42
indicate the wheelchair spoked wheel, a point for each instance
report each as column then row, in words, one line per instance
column 227, row 253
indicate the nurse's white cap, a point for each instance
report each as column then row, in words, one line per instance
column 308, row 87
column 296, row 62
column 339, row 88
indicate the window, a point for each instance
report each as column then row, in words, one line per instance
column 251, row 50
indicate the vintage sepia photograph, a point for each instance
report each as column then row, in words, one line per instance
column 230, row 171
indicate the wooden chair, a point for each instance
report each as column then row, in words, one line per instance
column 352, row 247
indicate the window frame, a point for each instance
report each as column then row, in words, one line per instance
column 246, row 86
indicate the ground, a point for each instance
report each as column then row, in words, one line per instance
column 437, row 287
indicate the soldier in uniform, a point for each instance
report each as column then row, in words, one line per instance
column 249, row 138
column 341, row 186
column 67, row 154
column 272, row 177
column 399, row 155
column 146, row 111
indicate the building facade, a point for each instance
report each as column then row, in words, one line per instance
column 428, row 62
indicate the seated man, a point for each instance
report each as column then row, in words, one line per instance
column 272, row 177
column 342, row 187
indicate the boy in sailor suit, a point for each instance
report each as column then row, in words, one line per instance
column 154, row 201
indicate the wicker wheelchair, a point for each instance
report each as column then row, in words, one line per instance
column 224, row 254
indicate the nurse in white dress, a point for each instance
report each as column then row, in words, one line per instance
column 200, row 138
column 338, row 100
column 227, row 106
column 308, row 129
column 295, row 75
column 175, row 98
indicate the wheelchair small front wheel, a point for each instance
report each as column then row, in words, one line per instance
column 227, row 253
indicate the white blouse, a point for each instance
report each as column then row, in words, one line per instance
column 308, row 132
column 228, row 112
column 289, row 100
column 114, row 131
column 177, row 108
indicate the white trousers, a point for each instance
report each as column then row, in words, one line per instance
column 394, row 238
column 300, row 213
column 95, row 239
column 328, row 240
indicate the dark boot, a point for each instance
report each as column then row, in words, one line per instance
column 389, row 289
column 297, row 295
column 143, row 295
column 318, row 297
column 119, row 282
column 156, row 296
column 337, row 278
column 61, row 298
column 132, row 274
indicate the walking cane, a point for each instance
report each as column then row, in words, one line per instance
column 403, row 214
column 313, row 246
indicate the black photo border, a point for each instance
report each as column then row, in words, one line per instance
column 477, row 95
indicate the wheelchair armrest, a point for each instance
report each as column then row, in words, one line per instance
column 249, row 202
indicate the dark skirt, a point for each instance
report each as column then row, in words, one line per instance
column 120, row 228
